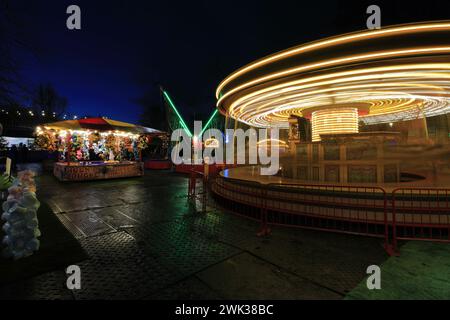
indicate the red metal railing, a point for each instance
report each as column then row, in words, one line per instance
column 421, row 214
column 407, row 213
column 322, row 207
column 346, row 209
column 243, row 199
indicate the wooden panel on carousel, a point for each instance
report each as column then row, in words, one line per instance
column 362, row 173
column 75, row 172
column 361, row 151
column 331, row 151
column 332, row 173
column 302, row 151
column 391, row 173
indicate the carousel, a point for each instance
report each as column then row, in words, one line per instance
column 96, row 148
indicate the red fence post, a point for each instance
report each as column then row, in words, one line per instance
column 204, row 195
column 265, row 230
column 394, row 224
column 447, row 208
column 191, row 185
column 390, row 246
column 386, row 226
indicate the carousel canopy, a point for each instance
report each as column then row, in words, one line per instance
column 99, row 124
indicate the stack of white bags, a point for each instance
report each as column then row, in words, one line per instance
column 21, row 225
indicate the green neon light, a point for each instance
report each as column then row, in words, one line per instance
column 209, row 121
column 183, row 124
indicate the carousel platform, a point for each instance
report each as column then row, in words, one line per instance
column 77, row 171
column 422, row 180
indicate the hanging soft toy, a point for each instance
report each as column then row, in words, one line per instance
column 111, row 155
column 85, row 150
column 79, row 155
column 21, row 224
column 26, row 180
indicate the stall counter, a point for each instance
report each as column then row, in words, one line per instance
column 83, row 171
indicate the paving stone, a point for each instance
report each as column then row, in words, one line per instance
column 119, row 269
column 89, row 223
column 154, row 212
column 48, row 286
column 222, row 227
column 71, row 226
column 338, row 268
column 247, row 277
column 74, row 203
column 114, row 217
column 179, row 248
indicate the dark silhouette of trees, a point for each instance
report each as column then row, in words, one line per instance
column 48, row 103
column 10, row 83
column 153, row 114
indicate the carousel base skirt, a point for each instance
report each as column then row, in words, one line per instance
column 98, row 171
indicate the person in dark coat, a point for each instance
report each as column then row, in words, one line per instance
column 23, row 153
column 92, row 155
column 13, row 154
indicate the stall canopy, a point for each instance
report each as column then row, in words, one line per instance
column 99, row 124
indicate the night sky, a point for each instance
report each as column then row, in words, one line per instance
column 126, row 48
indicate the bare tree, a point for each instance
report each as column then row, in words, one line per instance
column 152, row 114
column 10, row 84
column 48, row 102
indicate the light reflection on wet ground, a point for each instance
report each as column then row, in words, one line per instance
column 146, row 242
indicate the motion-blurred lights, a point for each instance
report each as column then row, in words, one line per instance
column 334, row 121
column 383, row 88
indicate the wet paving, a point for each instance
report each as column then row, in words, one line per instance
column 145, row 241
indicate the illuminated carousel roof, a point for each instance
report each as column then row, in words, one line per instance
column 99, row 124
column 392, row 74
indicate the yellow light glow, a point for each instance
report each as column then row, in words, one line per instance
column 333, row 41
column 272, row 142
column 402, row 83
column 334, row 121
column 413, row 83
column 335, row 62
column 87, row 132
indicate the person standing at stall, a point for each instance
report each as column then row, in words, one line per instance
column 12, row 154
column 23, row 153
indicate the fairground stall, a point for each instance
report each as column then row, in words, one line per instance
column 96, row 148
